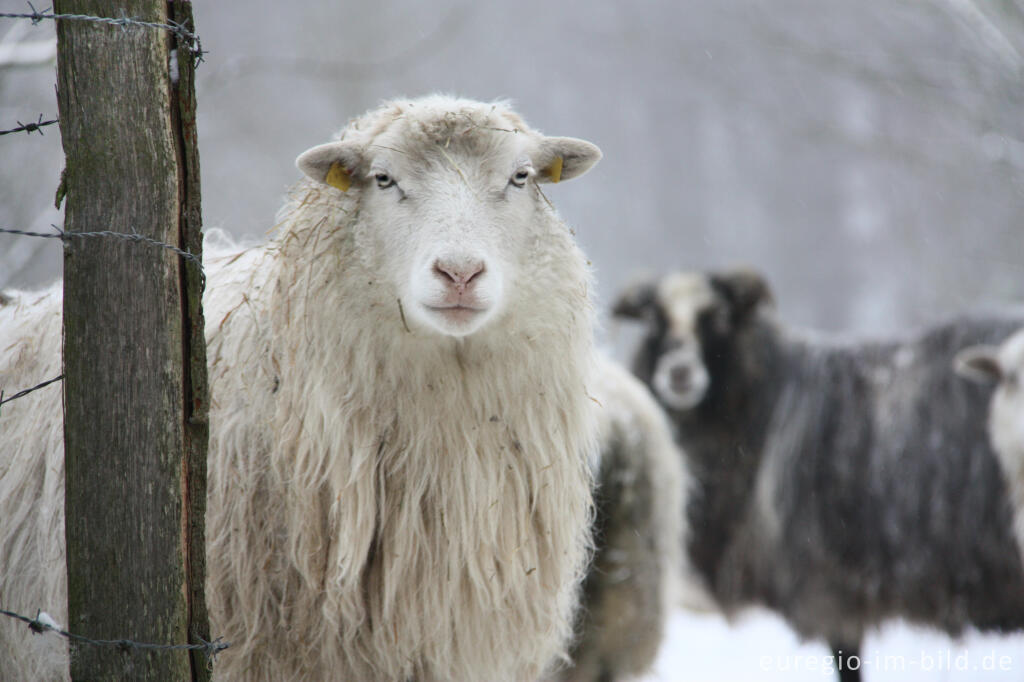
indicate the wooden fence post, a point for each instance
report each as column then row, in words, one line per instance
column 135, row 396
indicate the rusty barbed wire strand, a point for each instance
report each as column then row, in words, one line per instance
column 30, row 127
column 127, row 236
column 40, row 625
column 183, row 34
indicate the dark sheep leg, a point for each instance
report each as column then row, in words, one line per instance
column 847, row 661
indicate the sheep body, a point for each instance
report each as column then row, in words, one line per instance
column 840, row 484
column 32, row 561
column 633, row 578
column 399, row 485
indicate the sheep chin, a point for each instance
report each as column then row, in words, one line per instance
column 680, row 401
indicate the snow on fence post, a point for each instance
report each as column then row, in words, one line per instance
column 135, row 396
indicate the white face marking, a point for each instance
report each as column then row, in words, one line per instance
column 449, row 228
column 680, row 377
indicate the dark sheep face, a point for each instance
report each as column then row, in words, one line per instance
column 680, row 378
column 691, row 318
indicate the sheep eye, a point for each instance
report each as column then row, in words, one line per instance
column 716, row 320
column 384, row 180
column 520, row 177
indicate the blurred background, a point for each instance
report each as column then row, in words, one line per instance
column 866, row 155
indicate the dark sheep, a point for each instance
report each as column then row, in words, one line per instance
column 839, row 484
column 632, row 581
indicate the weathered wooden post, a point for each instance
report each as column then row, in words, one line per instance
column 135, row 397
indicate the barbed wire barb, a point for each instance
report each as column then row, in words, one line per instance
column 34, row 127
column 123, row 22
column 44, row 623
column 182, row 39
column 132, row 236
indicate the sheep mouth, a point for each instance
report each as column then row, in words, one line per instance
column 680, row 400
column 456, row 314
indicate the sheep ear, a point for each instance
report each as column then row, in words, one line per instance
column 980, row 364
column 636, row 302
column 334, row 164
column 564, row 158
column 745, row 289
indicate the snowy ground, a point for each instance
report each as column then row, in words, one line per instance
column 759, row 646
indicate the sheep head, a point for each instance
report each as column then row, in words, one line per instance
column 448, row 201
column 1003, row 364
column 690, row 317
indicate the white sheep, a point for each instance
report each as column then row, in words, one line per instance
column 1003, row 364
column 31, row 485
column 401, row 425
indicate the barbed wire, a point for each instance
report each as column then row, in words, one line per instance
column 30, row 127
column 127, row 236
column 185, row 35
column 232, row 67
column 43, row 623
column 22, row 394
column 187, row 40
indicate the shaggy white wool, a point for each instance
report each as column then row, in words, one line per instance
column 391, row 496
column 1004, row 364
column 1006, row 415
column 31, row 485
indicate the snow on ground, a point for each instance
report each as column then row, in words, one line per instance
column 760, row 646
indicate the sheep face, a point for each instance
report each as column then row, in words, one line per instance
column 691, row 318
column 449, row 204
column 1005, row 365
column 680, row 377
column 448, row 227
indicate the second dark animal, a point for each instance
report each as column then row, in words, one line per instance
column 839, row 484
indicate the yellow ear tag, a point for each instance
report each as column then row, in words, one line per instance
column 338, row 177
column 555, row 169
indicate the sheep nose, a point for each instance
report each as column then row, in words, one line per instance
column 458, row 274
column 680, row 376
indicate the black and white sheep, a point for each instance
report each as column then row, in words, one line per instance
column 401, row 425
column 840, row 484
